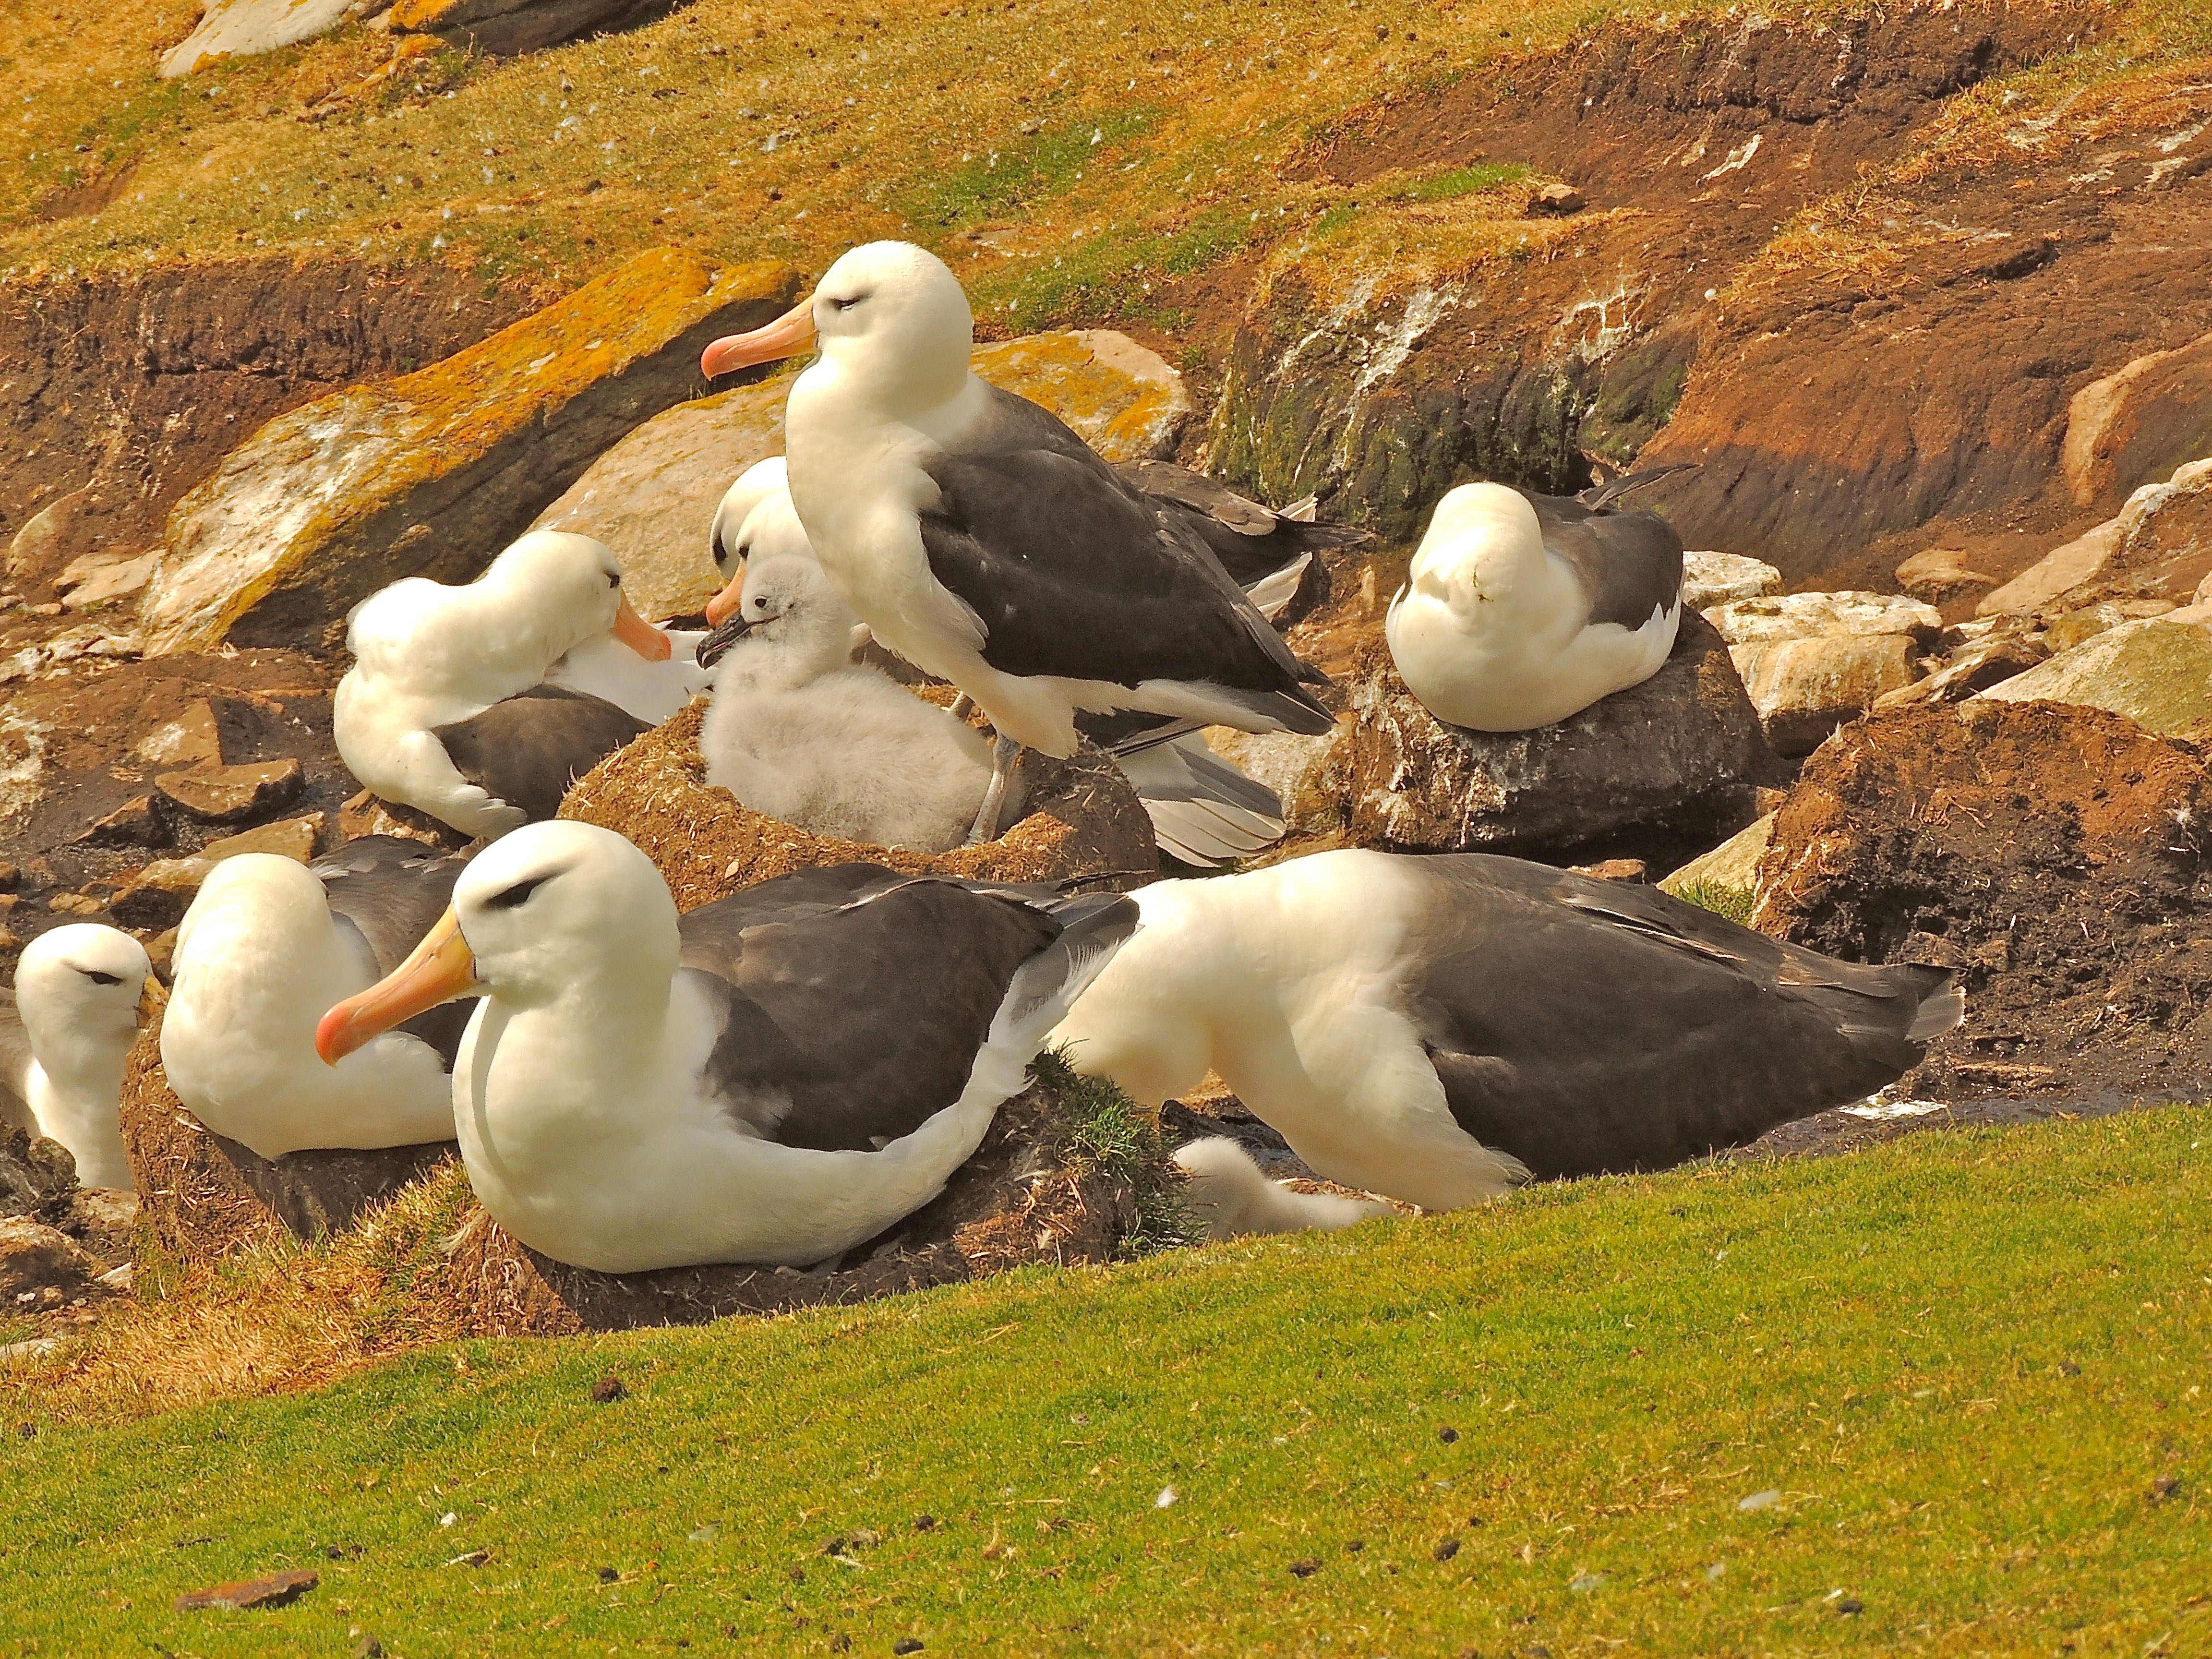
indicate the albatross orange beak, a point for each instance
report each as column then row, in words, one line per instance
column 786, row 337
column 440, row 968
column 719, row 607
column 641, row 636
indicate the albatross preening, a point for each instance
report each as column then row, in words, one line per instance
column 444, row 708
column 267, row 946
column 1521, row 610
column 777, row 1077
column 984, row 542
column 64, row 1034
column 1438, row 1029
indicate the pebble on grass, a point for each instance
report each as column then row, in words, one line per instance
column 1305, row 1567
column 1448, row 1435
column 1758, row 1500
column 608, row 1575
column 1850, row 1604
column 907, row 1644
column 924, row 1522
column 607, row 1390
column 1446, row 1548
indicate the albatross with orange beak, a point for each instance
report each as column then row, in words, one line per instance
column 987, row 543
column 775, row 1078
column 446, row 708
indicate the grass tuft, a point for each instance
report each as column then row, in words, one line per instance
column 1109, row 1133
column 1734, row 903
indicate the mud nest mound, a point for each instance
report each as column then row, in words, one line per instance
column 2053, row 856
column 1083, row 820
column 1070, row 1173
column 203, row 1196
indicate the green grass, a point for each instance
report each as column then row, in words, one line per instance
column 1736, row 903
column 1968, row 1366
column 1455, row 182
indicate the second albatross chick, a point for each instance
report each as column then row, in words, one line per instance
column 988, row 544
column 65, row 1031
column 267, row 946
column 777, row 1077
column 1438, row 1029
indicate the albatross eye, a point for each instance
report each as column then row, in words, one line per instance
column 517, row 896
column 614, row 578
column 99, row 978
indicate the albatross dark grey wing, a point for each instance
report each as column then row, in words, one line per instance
column 1076, row 574
column 1629, row 562
column 15, row 1070
column 1252, row 541
column 1586, row 1026
column 854, row 1000
column 386, row 892
column 527, row 749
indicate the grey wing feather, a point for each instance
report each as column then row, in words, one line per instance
column 1629, row 563
column 527, row 749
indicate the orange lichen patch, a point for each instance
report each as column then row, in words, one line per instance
column 1124, row 400
column 317, row 484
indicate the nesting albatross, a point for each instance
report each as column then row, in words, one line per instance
column 1522, row 610
column 65, row 1031
column 775, row 1077
column 987, row 543
column 1439, row 1029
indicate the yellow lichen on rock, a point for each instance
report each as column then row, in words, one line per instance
column 431, row 473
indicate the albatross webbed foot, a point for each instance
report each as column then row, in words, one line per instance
column 1003, row 751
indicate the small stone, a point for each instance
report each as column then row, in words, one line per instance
column 1850, row 1604
column 907, row 1644
column 278, row 1590
column 1446, row 1548
column 34, row 1257
column 1305, row 1567
column 11, row 877
column 925, row 1522
column 75, row 904
column 1449, row 1435
column 1629, row 870
column 1558, row 198
column 607, row 1390
column 227, row 794
column 1758, row 1500
column 190, row 739
column 46, row 610
column 2068, row 1368
column 1937, row 574
column 1711, row 579
column 368, row 1648
column 139, row 822
column 2163, row 1487
column 608, row 1575
column 1583, row 1583
column 1354, row 1545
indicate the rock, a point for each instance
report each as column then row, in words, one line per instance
column 1730, row 873
column 2157, row 672
column 431, row 474
column 96, row 579
column 158, row 894
column 32, row 551
column 34, row 1256
column 138, row 823
column 1816, row 615
column 203, row 1195
column 1290, row 763
column 75, row 904
column 651, row 496
column 278, row 1590
column 1681, row 752
column 34, row 1172
column 503, row 28
column 1937, row 574
column 1628, row 869
column 240, row 28
column 190, row 739
column 1804, row 689
column 2145, row 420
column 1970, row 671
column 1711, row 579
column 2159, row 544
column 102, row 1220
column 229, row 795
column 2051, row 849
column 1082, row 819
column 1558, row 198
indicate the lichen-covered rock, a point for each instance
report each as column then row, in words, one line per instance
column 651, row 496
column 1083, row 819
column 1711, row 579
column 432, row 473
column 204, row 1196
column 2157, row 672
column 1681, row 752
column 1804, row 689
column 1817, row 615
column 2157, row 545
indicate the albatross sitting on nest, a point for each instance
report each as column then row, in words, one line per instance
column 1439, row 1029
column 65, row 1031
column 446, row 708
column 269, row 944
column 1522, row 610
column 988, row 544
column 774, row 1078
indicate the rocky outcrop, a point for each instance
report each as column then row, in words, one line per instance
column 1812, row 662
column 2052, row 855
column 653, row 496
column 2158, row 672
column 2157, row 545
column 1711, row 579
column 1726, row 879
column 1938, row 573
column 2127, row 428
column 1681, row 752
column 1082, row 819
column 431, row 474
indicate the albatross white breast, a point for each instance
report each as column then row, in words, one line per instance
column 1438, row 1029
column 64, row 1034
column 775, row 1078
column 1520, row 611
column 984, row 542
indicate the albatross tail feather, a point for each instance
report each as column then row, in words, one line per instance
column 1942, row 1005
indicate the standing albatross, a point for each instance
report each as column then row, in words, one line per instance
column 987, row 543
column 777, row 1077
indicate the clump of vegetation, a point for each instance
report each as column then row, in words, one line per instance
column 1109, row 1133
column 1736, row 903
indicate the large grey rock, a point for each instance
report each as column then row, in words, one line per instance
column 2157, row 545
column 2145, row 420
column 651, row 496
column 1711, row 579
column 1804, row 689
column 433, row 473
column 2158, row 672
column 1817, row 615
column 1681, row 752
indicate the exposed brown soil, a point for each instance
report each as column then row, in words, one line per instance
column 1083, row 820
column 132, row 388
column 2052, row 855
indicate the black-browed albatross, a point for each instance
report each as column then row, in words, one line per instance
column 987, row 543
column 65, row 1031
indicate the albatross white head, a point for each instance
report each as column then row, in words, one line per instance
column 76, row 991
column 891, row 321
column 726, row 537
